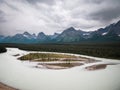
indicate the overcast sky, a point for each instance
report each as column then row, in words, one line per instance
column 49, row 16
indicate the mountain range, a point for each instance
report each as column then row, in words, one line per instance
column 110, row 33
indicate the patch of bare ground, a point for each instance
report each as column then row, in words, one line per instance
column 60, row 65
column 56, row 61
column 16, row 55
column 97, row 67
column 6, row 87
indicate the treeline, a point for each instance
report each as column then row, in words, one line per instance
column 2, row 49
column 107, row 50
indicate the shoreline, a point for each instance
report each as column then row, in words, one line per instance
column 6, row 87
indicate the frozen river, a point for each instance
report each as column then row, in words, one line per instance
column 17, row 74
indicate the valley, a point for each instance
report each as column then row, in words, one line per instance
column 59, row 45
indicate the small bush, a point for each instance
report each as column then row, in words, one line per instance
column 2, row 49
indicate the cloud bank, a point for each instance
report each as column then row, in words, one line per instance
column 49, row 16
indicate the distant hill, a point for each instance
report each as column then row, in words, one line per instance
column 110, row 33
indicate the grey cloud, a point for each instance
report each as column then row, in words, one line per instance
column 95, row 1
column 80, row 25
column 1, row 1
column 11, row 6
column 2, row 19
column 106, row 14
column 51, row 16
column 50, row 2
column 102, row 1
column 104, row 10
column 108, row 10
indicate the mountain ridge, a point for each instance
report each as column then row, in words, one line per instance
column 110, row 33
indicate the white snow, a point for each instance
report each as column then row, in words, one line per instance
column 119, row 35
column 26, row 36
column 86, row 33
column 19, row 75
column 29, row 37
column 104, row 33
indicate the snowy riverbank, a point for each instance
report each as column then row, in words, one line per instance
column 18, row 74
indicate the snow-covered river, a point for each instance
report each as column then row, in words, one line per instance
column 19, row 75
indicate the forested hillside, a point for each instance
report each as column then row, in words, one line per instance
column 107, row 50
